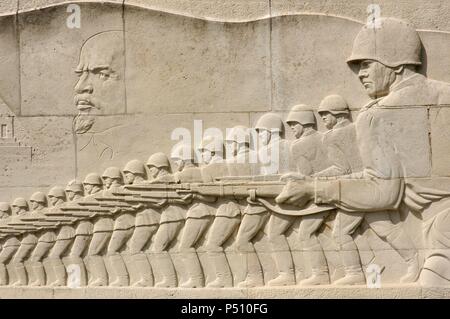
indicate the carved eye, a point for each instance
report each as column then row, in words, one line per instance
column 103, row 75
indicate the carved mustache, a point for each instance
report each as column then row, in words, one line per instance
column 84, row 102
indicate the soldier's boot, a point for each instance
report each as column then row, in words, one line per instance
column 254, row 272
column 97, row 271
column 75, row 266
column 352, row 266
column 285, row 266
column 3, row 275
column 194, row 270
column 59, row 273
column 405, row 247
column 319, row 274
column 120, row 271
column 413, row 271
column 39, row 274
column 49, row 272
column 143, row 271
column 21, row 275
column 165, row 265
column 224, row 279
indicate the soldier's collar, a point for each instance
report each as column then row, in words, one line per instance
column 407, row 82
column 371, row 104
column 342, row 124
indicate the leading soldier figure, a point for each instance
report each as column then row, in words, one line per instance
column 387, row 58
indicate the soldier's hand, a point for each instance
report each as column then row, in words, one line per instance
column 139, row 206
column 296, row 193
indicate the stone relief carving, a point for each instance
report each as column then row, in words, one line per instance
column 191, row 218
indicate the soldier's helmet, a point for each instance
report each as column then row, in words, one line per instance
column 301, row 114
column 238, row 134
column 57, row 192
column 158, row 160
column 75, row 186
column 20, row 202
column 271, row 122
column 182, row 152
column 4, row 207
column 136, row 167
column 335, row 104
column 112, row 172
column 390, row 41
column 211, row 143
column 93, row 179
column 38, row 197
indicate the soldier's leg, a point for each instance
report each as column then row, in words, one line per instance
column 345, row 225
column 38, row 254
column 192, row 232
column 163, row 262
column 393, row 234
column 140, row 267
column 251, row 224
column 98, row 275
column 221, row 230
column 278, row 225
column 5, row 255
column 17, row 263
column 74, row 261
column 54, row 266
column 312, row 249
column 118, row 240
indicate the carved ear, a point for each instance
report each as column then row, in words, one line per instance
column 399, row 69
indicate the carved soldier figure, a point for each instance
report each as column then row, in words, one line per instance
column 340, row 139
column 66, row 235
column 272, row 160
column 45, row 242
column 92, row 185
column 103, row 228
column 122, row 231
column 228, row 215
column 54, row 267
column 146, row 225
column 172, row 219
column 9, row 245
column 199, row 215
column 27, row 243
column 309, row 157
column 387, row 58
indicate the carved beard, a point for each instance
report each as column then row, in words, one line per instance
column 83, row 122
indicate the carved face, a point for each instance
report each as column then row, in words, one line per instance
column 264, row 137
column 232, row 147
column 100, row 87
column 54, row 201
column 297, row 129
column 207, row 156
column 17, row 210
column 153, row 172
column 328, row 119
column 70, row 195
column 179, row 164
column 376, row 78
column 35, row 205
column 108, row 181
column 129, row 177
column 88, row 189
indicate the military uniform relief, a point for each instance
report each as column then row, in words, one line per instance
column 224, row 147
